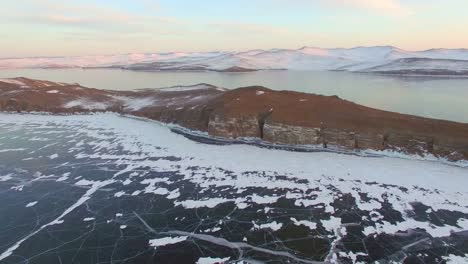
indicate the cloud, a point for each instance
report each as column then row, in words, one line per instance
column 106, row 19
column 247, row 28
column 393, row 7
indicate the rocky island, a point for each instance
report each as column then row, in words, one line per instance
column 279, row 118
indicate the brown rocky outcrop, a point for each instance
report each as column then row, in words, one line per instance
column 278, row 117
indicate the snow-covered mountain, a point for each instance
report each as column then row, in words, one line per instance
column 383, row 59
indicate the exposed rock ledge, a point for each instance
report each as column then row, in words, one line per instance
column 280, row 117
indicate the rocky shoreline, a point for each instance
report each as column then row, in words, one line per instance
column 274, row 117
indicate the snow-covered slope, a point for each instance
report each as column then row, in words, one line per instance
column 424, row 66
column 386, row 59
column 98, row 60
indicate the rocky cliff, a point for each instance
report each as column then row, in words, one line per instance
column 277, row 117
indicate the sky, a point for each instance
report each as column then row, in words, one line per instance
column 85, row 27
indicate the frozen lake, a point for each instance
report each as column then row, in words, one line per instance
column 441, row 97
column 109, row 189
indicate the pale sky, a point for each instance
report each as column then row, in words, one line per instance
column 85, row 27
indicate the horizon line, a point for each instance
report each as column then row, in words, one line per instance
column 231, row 51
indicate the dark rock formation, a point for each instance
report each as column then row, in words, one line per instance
column 237, row 69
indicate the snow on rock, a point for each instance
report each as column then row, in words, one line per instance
column 86, row 104
column 186, row 88
column 98, row 60
column 135, row 103
column 259, row 92
column 87, row 219
column 12, row 81
column 53, row 91
column 159, row 242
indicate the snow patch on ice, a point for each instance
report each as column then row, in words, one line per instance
column 119, row 194
column 210, row 203
column 409, row 223
column 454, row 259
column 274, row 226
column 159, row 242
column 209, row 260
column 31, row 204
column 6, row 177
column 309, row 224
column 8, row 150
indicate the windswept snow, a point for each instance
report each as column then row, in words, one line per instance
column 12, row 81
column 186, row 88
column 135, row 103
column 86, row 104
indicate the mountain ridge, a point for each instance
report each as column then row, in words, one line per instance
column 357, row 59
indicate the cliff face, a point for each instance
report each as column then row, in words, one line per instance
column 279, row 117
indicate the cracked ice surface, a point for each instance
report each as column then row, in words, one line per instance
column 105, row 188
